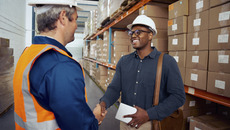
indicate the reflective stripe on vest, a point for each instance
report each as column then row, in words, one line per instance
column 30, row 121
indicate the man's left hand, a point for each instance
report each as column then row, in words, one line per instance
column 139, row 118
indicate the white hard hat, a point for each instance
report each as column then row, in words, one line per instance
column 54, row 2
column 144, row 20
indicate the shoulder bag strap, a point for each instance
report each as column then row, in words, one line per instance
column 158, row 80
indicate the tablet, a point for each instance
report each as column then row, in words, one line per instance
column 125, row 110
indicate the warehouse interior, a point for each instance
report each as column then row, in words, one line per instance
column 194, row 32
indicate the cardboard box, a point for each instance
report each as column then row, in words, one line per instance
column 177, row 25
column 197, row 41
column 219, row 39
column 121, row 48
column 177, row 42
column 121, row 34
column 197, row 60
column 188, row 114
column 160, row 44
column 4, row 42
column 219, row 61
column 161, row 23
column 180, row 57
column 197, row 6
column 219, row 16
column 121, row 41
column 198, row 22
column 217, row 2
column 196, row 78
column 219, row 83
column 193, row 102
column 182, row 72
column 161, row 34
column 223, row 111
column 155, row 10
column 177, row 9
column 209, row 122
column 6, row 51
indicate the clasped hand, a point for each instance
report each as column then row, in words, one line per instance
column 98, row 115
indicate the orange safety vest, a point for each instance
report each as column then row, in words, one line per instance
column 28, row 114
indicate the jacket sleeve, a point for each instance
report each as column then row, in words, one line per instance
column 65, row 93
column 113, row 91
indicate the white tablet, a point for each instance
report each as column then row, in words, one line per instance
column 125, row 110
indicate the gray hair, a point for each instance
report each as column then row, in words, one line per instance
column 48, row 19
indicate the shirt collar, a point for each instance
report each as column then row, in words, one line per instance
column 51, row 41
column 151, row 55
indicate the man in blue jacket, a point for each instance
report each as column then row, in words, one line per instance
column 49, row 85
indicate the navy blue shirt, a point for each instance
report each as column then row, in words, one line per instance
column 135, row 79
column 57, row 83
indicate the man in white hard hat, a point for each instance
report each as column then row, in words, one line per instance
column 135, row 79
column 49, row 87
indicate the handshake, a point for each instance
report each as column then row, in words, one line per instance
column 99, row 112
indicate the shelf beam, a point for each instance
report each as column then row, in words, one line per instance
column 101, row 63
column 124, row 15
column 208, row 96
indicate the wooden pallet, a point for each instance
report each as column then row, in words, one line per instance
column 128, row 4
column 117, row 13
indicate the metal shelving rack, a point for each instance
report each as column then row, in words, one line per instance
column 189, row 90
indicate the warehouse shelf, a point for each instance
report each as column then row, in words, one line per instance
column 189, row 90
column 101, row 63
column 121, row 17
column 208, row 96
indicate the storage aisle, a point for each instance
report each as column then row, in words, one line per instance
column 94, row 94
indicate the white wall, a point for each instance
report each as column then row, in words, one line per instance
column 16, row 25
column 12, row 24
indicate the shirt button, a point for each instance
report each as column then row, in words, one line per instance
column 138, row 71
column 135, row 93
column 137, row 82
column 140, row 60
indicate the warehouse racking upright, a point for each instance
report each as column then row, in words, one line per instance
column 222, row 100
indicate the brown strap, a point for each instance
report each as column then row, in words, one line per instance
column 158, row 80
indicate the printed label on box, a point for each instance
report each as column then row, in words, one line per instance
column 220, row 84
column 199, row 5
column 174, row 27
column 224, row 16
column 192, row 103
column 176, row 58
column 223, row 38
column 191, row 91
column 196, row 22
column 223, row 59
column 197, row 128
column 195, row 59
column 194, row 77
column 175, row 41
column 195, row 41
column 143, row 12
column 188, row 118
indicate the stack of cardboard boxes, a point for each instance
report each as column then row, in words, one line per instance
column 197, row 44
column 195, row 107
column 219, row 48
column 6, row 75
column 177, row 31
column 101, row 76
column 159, row 14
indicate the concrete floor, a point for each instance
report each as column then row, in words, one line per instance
column 94, row 94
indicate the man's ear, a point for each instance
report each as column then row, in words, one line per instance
column 62, row 17
column 150, row 36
